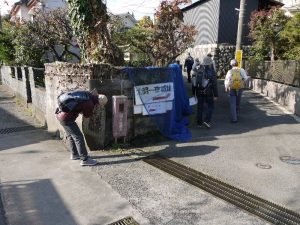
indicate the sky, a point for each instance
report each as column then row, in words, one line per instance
column 139, row 8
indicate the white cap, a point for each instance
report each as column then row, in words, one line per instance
column 102, row 100
column 233, row 62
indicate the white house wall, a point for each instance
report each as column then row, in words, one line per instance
column 23, row 13
column 291, row 6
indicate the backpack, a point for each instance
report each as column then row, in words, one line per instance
column 67, row 102
column 202, row 79
column 236, row 79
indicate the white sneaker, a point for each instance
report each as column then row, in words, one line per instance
column 89, row 162
column 206, row 124
column 74, row 157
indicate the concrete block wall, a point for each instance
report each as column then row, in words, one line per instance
column 17, row 79
column 287, row 96
column 38, row 95
column 108, row 80
column 278, row 80
column 61, row 77
column 9, row 78
column 23, row 88
column 21, row 81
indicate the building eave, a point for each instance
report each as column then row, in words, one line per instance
column 193, row 5
column 276, row 3
column 17, row 6
column 32, row 3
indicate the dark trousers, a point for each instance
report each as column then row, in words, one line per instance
column 75, row 139
column 235, row 100
column 209, row 100
column 188, row 71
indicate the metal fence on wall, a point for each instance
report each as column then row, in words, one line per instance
column 285, row 72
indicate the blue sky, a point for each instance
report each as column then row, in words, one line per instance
column 140, row 8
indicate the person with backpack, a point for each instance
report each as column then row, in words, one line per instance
column 70, row 105
column 206, row 90
column 234, row 83
column 188, row 65
column 214, row 64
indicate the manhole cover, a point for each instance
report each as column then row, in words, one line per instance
column 126, row 221
column 263, row 166
column 290, row 160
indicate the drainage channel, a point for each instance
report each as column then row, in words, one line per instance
column 264, row 209
column 16, row 129
column 126, row 221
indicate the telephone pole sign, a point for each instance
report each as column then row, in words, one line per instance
column 239, row 57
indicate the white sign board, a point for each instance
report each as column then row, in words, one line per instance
column 153, row 98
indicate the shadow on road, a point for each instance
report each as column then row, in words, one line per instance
column 38, row 203
column 256, row 113
column 11, row 126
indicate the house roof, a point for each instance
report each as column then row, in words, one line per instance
column 276, row 2
column 194, row 5
column 127, row 15
column 31, row 3
column 17, row 5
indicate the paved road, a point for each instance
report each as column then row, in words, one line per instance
column 39, row 185
column 259, row 154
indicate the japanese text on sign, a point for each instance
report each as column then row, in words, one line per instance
column 154, row 93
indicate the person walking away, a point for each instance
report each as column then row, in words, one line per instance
column 72, row 104
column 195, row 68
column 206, row 91
column 234, row 82
column 214, row 64
column 188, row 64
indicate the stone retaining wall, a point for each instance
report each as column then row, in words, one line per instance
column 25, row 82
column 278, row 80
column 222, row 54
column 61, row 77
column 287, row 96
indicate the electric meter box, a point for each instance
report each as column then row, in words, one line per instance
column 120, row 111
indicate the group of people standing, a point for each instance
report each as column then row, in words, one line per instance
column 202, row 76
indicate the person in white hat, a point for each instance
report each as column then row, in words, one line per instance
column 84, row 103
column 234, row 83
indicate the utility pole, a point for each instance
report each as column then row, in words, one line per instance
column 0, row 21
column 240, row 25
column 238, row 47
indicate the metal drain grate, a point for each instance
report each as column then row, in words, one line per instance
column 126, row 221
column 16, row 129
column 264, row 209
